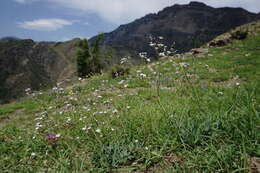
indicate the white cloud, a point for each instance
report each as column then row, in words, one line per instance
column 45, row 24
column 20, row 1
column 116, row 11
column 24, row 1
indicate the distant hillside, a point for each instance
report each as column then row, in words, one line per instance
column 28, row 64
column 10, row 38
column 179, row 24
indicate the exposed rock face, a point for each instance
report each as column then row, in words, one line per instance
column 179, row 24
column 28, row 64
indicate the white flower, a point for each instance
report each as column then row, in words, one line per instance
column 112, row 129
column 152, row 44
column 27, row 89
column 142, row 75
column 161, row 54
column 33, row 154
column 84, row 128
column 161, row 38
column 68, row 119
column 121, row 82
column 237, row 84
column 220, row 93
column 58, row 135
column 54, row 88
column 98, row 131
column 114, row 111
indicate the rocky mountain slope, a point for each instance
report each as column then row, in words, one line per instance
column 28, row 64
column 180, row 24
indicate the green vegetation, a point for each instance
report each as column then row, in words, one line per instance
column 89, row 58
column 181, row 114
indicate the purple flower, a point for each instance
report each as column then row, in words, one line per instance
column 52, row 139
column 51, row 136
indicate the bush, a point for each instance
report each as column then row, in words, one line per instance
column 119, row 70
column 239, row 35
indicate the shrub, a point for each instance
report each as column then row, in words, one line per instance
column 239, row 35
column 119, row 70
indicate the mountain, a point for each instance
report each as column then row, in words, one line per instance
column 179, row 24
column 28, row 64
column 10, row 38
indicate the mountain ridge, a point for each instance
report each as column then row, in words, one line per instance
column 178, row 23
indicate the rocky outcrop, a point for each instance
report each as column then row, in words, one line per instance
column 28, row 64
column 179, row 24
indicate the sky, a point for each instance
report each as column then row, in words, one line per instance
column 61, row 20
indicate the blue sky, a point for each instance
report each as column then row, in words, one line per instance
column 60, row 20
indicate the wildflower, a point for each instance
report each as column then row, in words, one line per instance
column 142, row 75
column 161, row 54
column 237, row 84
column 220, row 93
column 68, row 119
column 28, row 90
column 38, row 125
column 184, row 65
column 98, row 131
column 51, row 136
column 84, row 128
column 52, row 139
column 54, row 88
column 152, row 44
column 121, row 82
column 114, row 111
column 38, row 119
column 136, row 141
column 58, row 135
column 33, row 154
column 148, row 60
column 160, row 37
column 112, row 129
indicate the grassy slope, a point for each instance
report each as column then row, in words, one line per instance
column 203, row 118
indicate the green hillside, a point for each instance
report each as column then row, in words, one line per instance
column 189, row 113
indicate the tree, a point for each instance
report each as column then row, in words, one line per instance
column 89, row 58
column 83, row 59
column 97, row 64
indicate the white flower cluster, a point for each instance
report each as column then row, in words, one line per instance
column 144, row 56
column 161, row 49
column 125, row 60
